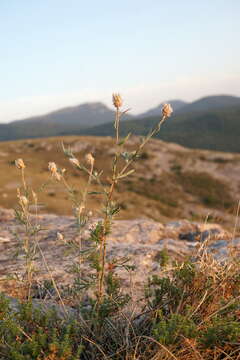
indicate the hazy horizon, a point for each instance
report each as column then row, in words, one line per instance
column 58, row 54
column 110, row 106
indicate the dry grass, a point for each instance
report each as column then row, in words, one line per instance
column 189, row 311
column 158, row 190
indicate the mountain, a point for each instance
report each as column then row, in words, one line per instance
column 65, row 121
column 87, row 114
column 213, row 130
column 204, row 104
column 176, row 105
column 210, row 103
column 209, row 123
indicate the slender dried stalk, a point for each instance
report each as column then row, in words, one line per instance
column 115, row 176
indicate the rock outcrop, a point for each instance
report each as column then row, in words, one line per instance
column 141, row 240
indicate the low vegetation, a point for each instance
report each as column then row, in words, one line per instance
column 190, row 311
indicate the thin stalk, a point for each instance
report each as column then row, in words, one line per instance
column 103, row 242
column 82, row 205
column 153, row 132
column 115, row 175
column 23, row 180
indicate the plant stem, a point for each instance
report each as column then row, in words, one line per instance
column 108, row 216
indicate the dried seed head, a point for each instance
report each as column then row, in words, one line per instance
column 52, row 167
column 117, row 100
column 80, row 209
column 20, row 164
column 167, row 110
column 60, row 236
column 74, row 161
column 54, row 171
column 23, row 201
column 90, row 159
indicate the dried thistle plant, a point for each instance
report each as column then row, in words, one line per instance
column 97, row 253
column 100, row 278
column 29, row 241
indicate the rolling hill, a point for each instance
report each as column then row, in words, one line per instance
column 170, row 183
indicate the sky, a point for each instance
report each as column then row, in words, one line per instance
column 57, row 53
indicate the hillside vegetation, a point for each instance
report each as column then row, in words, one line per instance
column 214, row 130
column 172, row 182
column 164, row 292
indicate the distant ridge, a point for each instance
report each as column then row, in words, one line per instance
column 210, row 103
column 212, row 122
column 213, row 128
column 87, row 114
column 176, row 105
column 66, row 121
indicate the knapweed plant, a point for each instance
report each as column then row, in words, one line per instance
column 97, row 254
column 104, row 286
column 190, row 311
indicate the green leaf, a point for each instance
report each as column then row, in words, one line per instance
column 126, row 174
column 121, row 142
column 95, row 192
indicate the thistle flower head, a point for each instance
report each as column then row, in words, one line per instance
column 20, row 164
column 23, row 201
column 52, row 167
column 167, row 110
column 54, row 171
column 80, row 209
column 60, row 236
column 117, row 100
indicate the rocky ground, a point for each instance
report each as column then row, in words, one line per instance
column 141, row 240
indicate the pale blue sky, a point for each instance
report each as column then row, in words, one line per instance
column 64, row 52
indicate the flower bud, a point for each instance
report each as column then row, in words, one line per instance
column 80, row 209
column 52, row 167
column 60, row 236
column 23, row 201
column 117, row 100
column 54, row 171
column 167, row 110
column 20, row 164
column 74, row 161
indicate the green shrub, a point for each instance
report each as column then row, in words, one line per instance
column 170, row 331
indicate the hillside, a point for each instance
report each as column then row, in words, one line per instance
column 208, row 123
column 176, row 105
column 205, row 104
column 214, row 130
column 171, row 182
column 66, row 121
column 209, row 103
